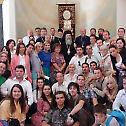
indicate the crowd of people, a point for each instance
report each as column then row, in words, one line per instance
column 53, row 79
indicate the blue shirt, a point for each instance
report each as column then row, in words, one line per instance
column 45, row 57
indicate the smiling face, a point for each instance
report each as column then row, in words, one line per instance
column 73, row 91
column 120, row 44
column 16, row 93
column 2, row 68
column 3, row 57
column 113, row 52
column 46, row 90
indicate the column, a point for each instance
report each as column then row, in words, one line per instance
column 9, row 20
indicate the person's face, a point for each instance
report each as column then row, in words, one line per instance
column 113, row 52
column 29, row 33
column 98, row 74
column 30, row 49
column 11, row 45
column 89, row 50
column 47, row 90
column 124, row 84
column 121, row 33
column 71, row 68
column 22, row 49
column 85, row 68
column 92, row 32
column 119, row 44
column 80, row 81
column 32, row 42
column 38, row 32
column 100, row 32
column 3, row 57
column 60, row 99
column 40, row 83
column 52, row 31
column 79, row 51
column 99, row 43
column 16, row 93
column 47, row 46
column 110, row 84
column 68, row 37
column 2, row 68
column 60, row 34
column 38, row 48
column 83, row 32
column 92, row 40
column 43, row 32
column 57, row 49
column 48, row 38
column 100, row 118
column 93, row 66
column 19, row 73
column 59, row 78
column 103, row 51
column 73, row 91
column 106, row 35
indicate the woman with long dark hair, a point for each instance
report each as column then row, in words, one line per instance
column 43, row 105
column 20, row 58
column 14, row 106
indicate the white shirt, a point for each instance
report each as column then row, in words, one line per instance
column 120, row 100
column 90, row 59
column 68, row 78
column 26, row 85
column 77, row 61
column 26, row 40
column 62, row 87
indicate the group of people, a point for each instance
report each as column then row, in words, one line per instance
column 56, row 80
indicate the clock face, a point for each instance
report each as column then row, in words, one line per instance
column 66, row 14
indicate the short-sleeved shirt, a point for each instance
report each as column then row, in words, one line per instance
column 2, row 80
column 57, row 117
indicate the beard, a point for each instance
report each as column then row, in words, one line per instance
column 68, row 42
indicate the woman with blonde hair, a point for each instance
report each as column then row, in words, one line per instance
column 36, row 65
column 110, row 90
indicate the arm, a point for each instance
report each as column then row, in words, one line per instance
column 63, row 66
column 98, row 92
column 116, row 103
column 29, row 93
column 4, row 88
column 56, row 67
column 77, row 107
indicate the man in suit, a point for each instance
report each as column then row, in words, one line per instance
column 82, row 40
column 54, row 39
column 43, row 34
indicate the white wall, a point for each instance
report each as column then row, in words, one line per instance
column 121, row 12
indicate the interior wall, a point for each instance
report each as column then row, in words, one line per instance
column 44, row 13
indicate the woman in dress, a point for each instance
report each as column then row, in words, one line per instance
column 58, row 61
column 14, row 106
column 43, row 105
